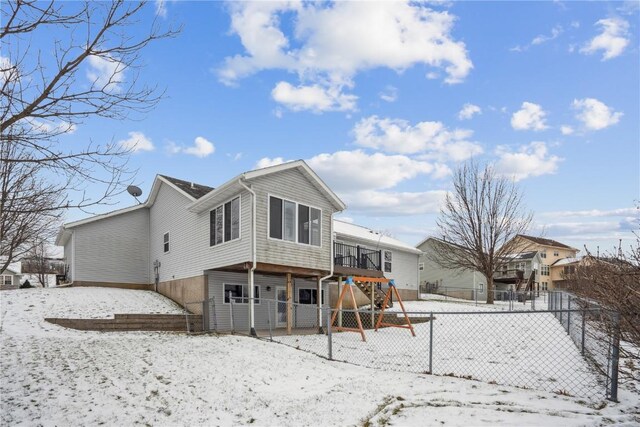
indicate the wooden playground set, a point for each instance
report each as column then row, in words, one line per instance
column 348, row 288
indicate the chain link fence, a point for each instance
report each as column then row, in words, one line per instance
column 594, row 330
column 560, row 349
column 509, row 300
column 527, row 349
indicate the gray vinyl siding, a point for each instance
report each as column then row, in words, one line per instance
column 404, row 265
column 114, row 249
column 448, row 278
column 294, row 186
column 189, row 251
column 265, row 311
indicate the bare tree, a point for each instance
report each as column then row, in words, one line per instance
column 478, row 222
column 61, row 63
column 613, row 281
column 38, row 264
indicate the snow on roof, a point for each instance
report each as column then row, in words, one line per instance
column 363, row 233
column 521, row 255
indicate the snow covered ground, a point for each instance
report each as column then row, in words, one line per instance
column 56, row 376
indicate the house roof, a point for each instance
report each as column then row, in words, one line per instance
column 521, row 256
column 204, row 202
column 346, row 229
column 191, row 188
column 565, row 261
column 440, row 241
column 545, row 242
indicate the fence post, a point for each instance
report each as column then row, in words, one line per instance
column 231, row 312
column 584, row 324
column 561, row 306
column 569, row 315
column 214, row 314
column 329, row 337
column 615, row 357
column 269, row 312
column 431, row 344
column 205, row 316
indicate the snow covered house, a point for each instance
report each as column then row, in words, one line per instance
column 266, row 233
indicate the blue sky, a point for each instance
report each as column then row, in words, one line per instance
column 384, row 99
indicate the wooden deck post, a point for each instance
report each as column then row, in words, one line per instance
column 339, row 307
column 289, row 300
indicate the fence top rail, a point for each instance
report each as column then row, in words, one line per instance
column 422, row 313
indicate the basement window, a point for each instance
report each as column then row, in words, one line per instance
column 309, row 296
column 240, row 293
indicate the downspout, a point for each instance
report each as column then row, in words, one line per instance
column 252, row 317
column 330, row 268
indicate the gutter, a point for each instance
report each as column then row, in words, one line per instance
column 252, row 317
column 330, row 269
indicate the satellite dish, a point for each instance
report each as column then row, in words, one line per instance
column 134, row 191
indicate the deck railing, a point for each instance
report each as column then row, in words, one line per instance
column 356, row 256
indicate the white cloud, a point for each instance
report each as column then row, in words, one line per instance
column 432, row 75
column 389, row 203
column 595, row 114
column 201, row 148
column 322, row 49
column 530, row 117
column 468, row 111
column 540, row 39
column 530, row 160
column 314, row 98
column 51, row 127
column 161, row 8
column 624, row 212
column 136, row 142
column 265, row 162
column 8, row 71
column 105, row 73
column 433, row 139
column 612, row 40
column 566, row 130
column 390, row 94
column 356, row 170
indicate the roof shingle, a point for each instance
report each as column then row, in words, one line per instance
column 191, row 188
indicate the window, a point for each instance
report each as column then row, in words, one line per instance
column 480, row 287
column 165, row 241
column 545, row 286
column 556, row 253
column 240, row 293
column 520, row 266
column 421, row 266
column 224, row 222
column 289, row 219
column 569, row 269
column 309, row 296
column 543, row 254
column 388, row 258
column 7, row 280
column 544, row 270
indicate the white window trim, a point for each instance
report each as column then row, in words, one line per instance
column 240, row 303
column 306, row 245
column 322, row 295
column 6, row 275
column 383, row 260
column 168, row 241
column 239, row 238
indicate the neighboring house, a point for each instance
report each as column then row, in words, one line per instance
column 550, row 252
column 515, row 270
column 561, row 269
column 266, row 233
column 459, row 283
column 11, row 278
column 361, row 247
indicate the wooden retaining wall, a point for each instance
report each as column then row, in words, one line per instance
column 134, row 322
